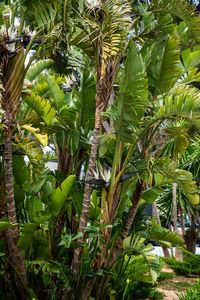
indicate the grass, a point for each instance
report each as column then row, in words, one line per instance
column 165, row 276
column 192, row 293
column 179, row 284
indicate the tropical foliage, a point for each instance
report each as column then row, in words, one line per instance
column 111, row 89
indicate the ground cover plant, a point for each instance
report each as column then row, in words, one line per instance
column 189, row 266
column 191, row 293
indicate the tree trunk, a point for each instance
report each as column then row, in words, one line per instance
column 182, row 221
column 174, row 205
column 88, row 187
column 191, row 236
column 88, row 289
column 165, row 250
column 12, row 234
column 129, row 221
column 105, row 76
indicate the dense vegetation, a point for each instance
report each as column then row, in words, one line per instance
column 192, row 293
column 112, row 88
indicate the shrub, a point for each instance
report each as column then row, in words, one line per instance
column 190, row 265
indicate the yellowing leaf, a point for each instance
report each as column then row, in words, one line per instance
column 42, row 138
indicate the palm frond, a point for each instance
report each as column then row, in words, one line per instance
column 182, row 10
column 37, row 68
column 115, row 27
column 32, row 149
column 42, row 107
column 179, row 139
column 12, row 76
column 157, row 233
column 38, row 13
column 110, row 22
column 183, row 178
column 183, row 101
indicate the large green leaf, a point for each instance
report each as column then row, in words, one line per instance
column 152, row 194
column 41, row 13
column 165, row 65
column 190, row 59
column 5, row 224
column 87, row 101
column 42, row 107
column 183, row 10
column 133, row 94
column 183, row 101
column 158, row 233
column 60, row 194
column 37, row 68
column 183, row 178
column 20, row 170
column 56, row 93
column 33, row 241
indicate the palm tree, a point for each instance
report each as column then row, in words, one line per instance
column 14, row 52
column 109, row 40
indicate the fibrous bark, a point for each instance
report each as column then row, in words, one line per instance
column 129, row 221
column 12, row 77
column 12, row 234
column 103, row 91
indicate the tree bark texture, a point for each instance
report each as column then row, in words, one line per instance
column 88, row 289
column 129, row 221
column 12, row 234
column 191, row 236
column 174, row 205
column 103, row 91
column 155, row 208
column 12, row 77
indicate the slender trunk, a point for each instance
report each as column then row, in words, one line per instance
column 165, row 250
column 191, row 236
column 12, row 234
column 178, row 253
column 174, row 205
column 129, row 221
column 88, row 187
column 88, row 289
column 6, row 284
column 182, row 218
column 105, row 77
column 117, row 248
column 182, row 222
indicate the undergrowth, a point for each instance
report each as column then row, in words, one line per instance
column 192, row 293
column 189, row 266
